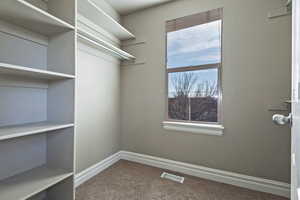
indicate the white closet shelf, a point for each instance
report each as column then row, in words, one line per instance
column 30, row 183
column 99, row 43
column 15, row 70
column 26, row 15
column 94, row 13
column 10, row 132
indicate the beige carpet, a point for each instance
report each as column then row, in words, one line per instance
column 131, row 181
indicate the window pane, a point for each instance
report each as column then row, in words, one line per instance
column 193, row 95
column 196, row 45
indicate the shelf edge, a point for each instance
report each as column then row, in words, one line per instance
column 37, row 71
column 64, row 175
column 111, row 19
column 28, row 133
column 29, row 5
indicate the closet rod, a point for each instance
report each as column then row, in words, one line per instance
column 99, row 45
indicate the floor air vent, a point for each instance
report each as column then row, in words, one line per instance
column 172, row 177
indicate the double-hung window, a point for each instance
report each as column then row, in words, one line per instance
column 194, row 62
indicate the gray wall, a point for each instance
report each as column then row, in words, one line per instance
column 97, row 107
column 256, row 75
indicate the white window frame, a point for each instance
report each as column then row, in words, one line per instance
column 198, row 127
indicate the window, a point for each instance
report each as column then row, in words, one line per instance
column 194, row 61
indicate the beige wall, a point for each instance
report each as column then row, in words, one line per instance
column 256, row 75
column 97, row 107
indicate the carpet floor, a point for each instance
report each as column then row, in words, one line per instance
column 131, row 181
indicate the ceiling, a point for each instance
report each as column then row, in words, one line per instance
column 128, row 6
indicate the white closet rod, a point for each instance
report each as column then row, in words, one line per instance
column 93, row 37
column 98, row 45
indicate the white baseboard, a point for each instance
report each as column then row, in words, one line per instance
column 240, row 180
column 92, row 171
column 249, row 182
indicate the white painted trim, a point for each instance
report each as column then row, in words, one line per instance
column 295, row 165
column 240, row 180
column 207, row 129
column 92, row 171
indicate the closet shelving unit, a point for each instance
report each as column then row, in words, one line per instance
column 93, row 12
column 37, row 83
column 101, row 44
column 30, row 183
column 100, row 20
column 25, row 14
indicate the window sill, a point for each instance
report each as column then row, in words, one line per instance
column 207, row 129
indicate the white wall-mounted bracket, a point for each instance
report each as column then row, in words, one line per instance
column 283, row 11
column 279, row 12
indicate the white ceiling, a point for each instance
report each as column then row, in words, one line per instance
column 128, row 6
